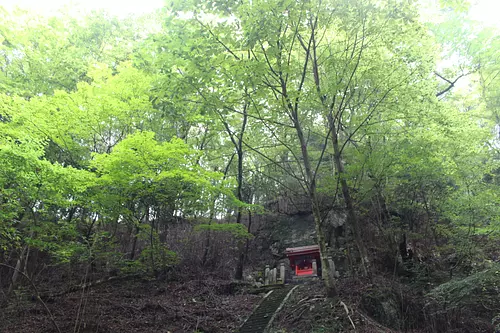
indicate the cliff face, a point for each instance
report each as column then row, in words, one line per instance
column 290, row 205
column 289, row 223
column 293, row 231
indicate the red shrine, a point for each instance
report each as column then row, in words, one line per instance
column 303, row 259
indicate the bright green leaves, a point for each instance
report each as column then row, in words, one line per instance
column 66, row 93
column 32, row 187
column 91, row 119
column 159, row 172
column 140, row 156
column 41, row 55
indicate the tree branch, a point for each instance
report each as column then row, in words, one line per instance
column 218, row 40
column 451, row 83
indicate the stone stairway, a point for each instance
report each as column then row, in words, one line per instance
column 265, row 312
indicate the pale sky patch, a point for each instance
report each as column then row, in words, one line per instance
column 119, row 8
column 485, row 11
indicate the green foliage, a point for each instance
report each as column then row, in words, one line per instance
column 163, row 258
column 41, row 55
column 481, row 288
column 140, row 166
column 114, row 127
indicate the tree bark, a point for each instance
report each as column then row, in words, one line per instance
column 239, row 152
column 352, row 217
column 327, row 275
column 247, row 245
column 134, row 243
column 17, row 269
column 151, row 240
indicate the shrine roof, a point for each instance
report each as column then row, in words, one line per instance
column 302, row 250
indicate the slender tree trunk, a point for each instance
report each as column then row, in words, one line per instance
column 247, row 246
column 352, row 217
column 72, row 211
column 326, row 272
column 26, row 259
column 241, row 258
column 15, row 275
column 151, row 241
column 134, row 243
column 206, row 249
column 240, row 265
column 239, row 152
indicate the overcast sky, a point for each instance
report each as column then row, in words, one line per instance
column 116, row 7
column 486, row 11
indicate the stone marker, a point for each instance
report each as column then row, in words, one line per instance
column 331, row 263
column 282, row 273
column 266, row 275
column 315, row 267
column 274, row 276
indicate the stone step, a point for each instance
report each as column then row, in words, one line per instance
column 260, row 317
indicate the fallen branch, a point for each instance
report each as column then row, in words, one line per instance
column 347, row 313
column 296, row 318
column 375, row 323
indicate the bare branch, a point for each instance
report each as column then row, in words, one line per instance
column 451, row 83
column 291, row 174
column 373, row 108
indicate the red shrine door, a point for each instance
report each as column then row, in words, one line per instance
column 303, row 265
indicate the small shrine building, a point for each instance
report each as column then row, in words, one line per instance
column 304, row 260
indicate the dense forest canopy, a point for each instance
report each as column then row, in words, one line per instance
column 136, row 145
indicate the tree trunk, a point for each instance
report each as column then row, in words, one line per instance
column 326, row 272
column 151, row 240
column 134, row 243
column 327, row 275
column 208, row 235
column 352, row 217
column 247, row 246
column 239, row 151
column 241, row 257
column 15, row 275
column 26, row 259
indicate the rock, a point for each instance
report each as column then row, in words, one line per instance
column 383, row 306
column 250, row 278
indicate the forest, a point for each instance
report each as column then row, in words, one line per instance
column 152, row 166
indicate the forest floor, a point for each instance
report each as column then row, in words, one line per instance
column 128, row 305
column 309, row 310
column 209, row 306
column 135, row 305
column 380, row 305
